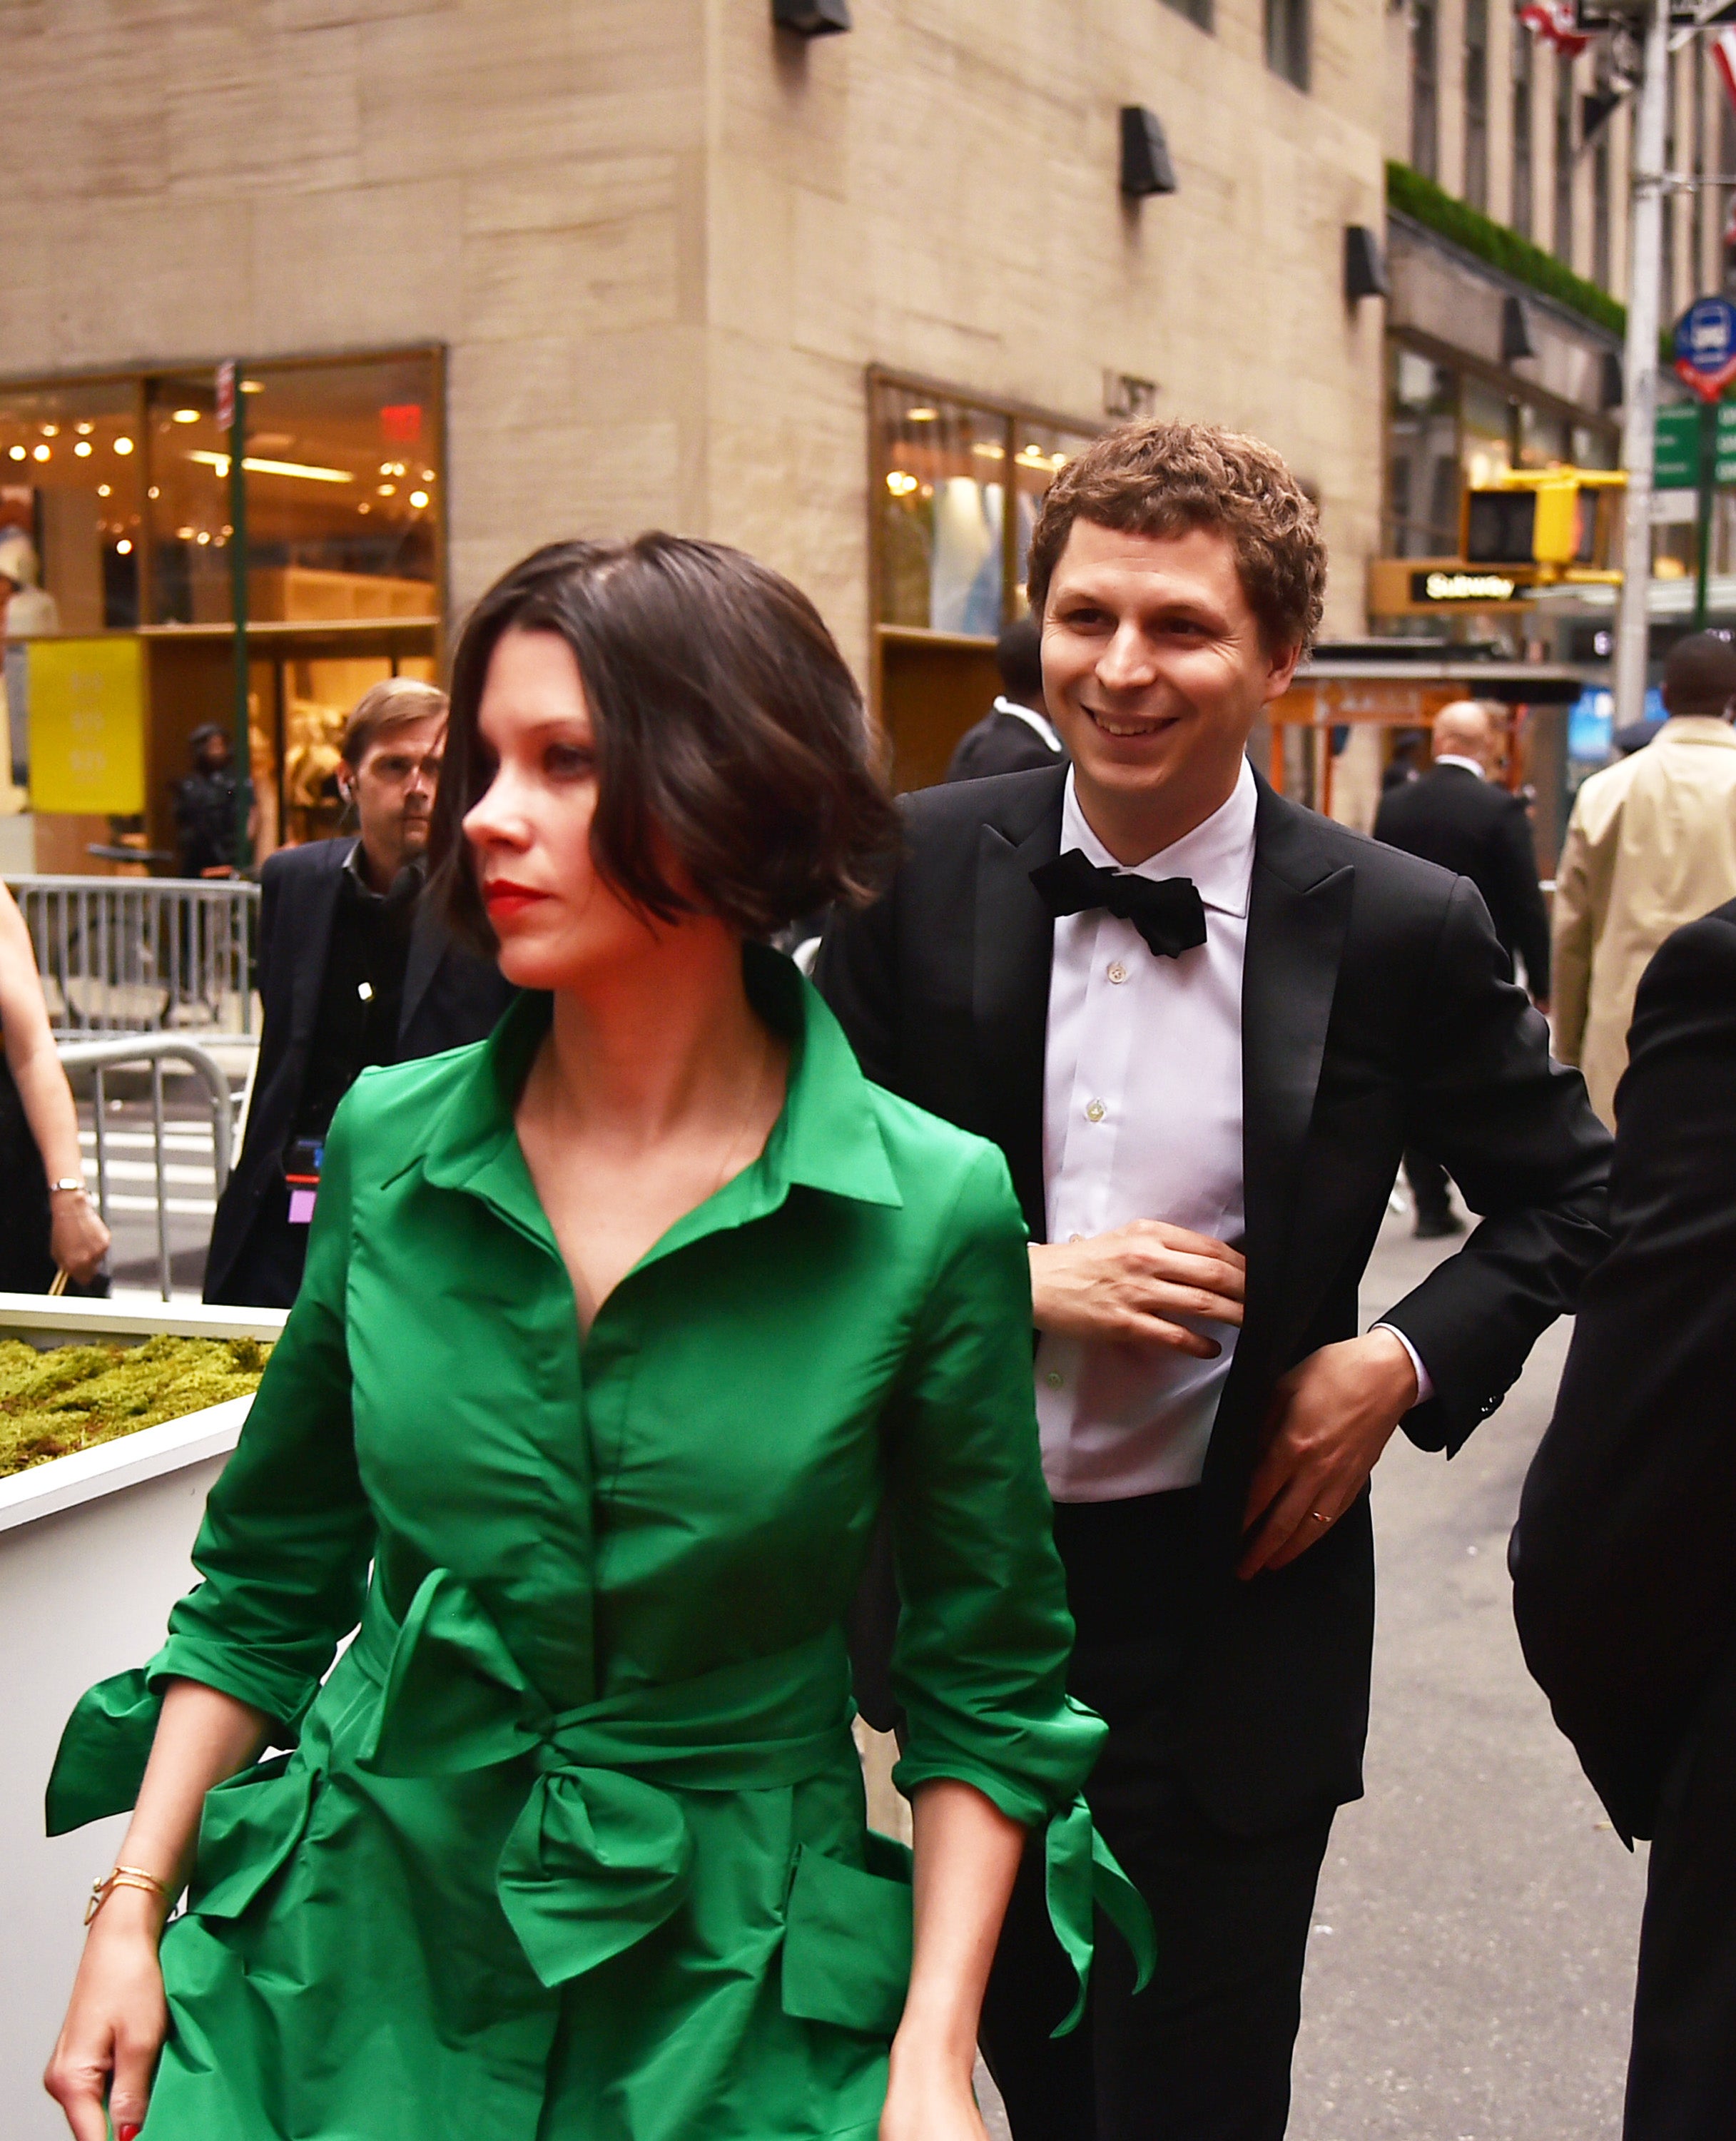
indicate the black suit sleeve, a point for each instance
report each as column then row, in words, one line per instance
column 1516, row 1132
column 1624, row 1584
column 1514, row 870
column 856, row 972
column 270, row 881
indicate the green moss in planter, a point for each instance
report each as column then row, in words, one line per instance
column 72, row 1397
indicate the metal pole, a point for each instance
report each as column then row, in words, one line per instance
column 1633, row 622
column 237, row 583
column 1707, row 464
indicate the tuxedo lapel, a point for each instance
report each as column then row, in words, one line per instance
column 427, row 946
column 1298, row 910
column 1013, row 948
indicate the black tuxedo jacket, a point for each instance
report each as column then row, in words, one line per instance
column 1376, row 1014
column 1624, row 1576
column 450, row 997
column 1476, row 830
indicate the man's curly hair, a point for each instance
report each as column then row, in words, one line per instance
column 1161, row 478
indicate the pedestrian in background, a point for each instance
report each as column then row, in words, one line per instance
column 1200, row 1021
column 205, row 806
column 1016, row 733
column 1651, row 844
column 1456, row 815
column 51, row 1223
column 352, row 971
column 1625, row 1582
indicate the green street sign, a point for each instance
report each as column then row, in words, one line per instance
column 1675, row 449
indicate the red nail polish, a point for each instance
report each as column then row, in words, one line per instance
column 126, row 2132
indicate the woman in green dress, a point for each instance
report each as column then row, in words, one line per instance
column 617, row 1331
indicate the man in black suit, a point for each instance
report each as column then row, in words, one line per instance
column 1625, row 1582
column 353, row 970
column 1202, row 1023
column 1456, row 816
column 1016, row 733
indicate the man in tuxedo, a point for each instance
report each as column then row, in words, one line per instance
column 354, row 969
column 1202, row 1023
column 1016, row 733
column 1455, row 815
column 1624, row 1581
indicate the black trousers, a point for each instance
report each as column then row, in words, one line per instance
column 1203, row 2053
column 267, row 1272
column 1681, row 2081
column 1429, row 1188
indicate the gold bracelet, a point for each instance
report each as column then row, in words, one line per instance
column 124, row 1877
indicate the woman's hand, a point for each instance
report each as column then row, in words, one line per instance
column 102, row 2067
column 79, row 1241
column 929, row 2096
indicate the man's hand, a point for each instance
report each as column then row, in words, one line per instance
column 1127, row 1285
column 1330, row 1418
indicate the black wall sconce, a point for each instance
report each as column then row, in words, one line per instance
column 811, row 18
column 1516, row 340
column 1145, row 164
column 1364, row 270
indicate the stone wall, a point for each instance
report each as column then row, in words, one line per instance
column 662, row 243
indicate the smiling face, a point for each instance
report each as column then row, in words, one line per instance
column 558, row 920
column 1154, row 670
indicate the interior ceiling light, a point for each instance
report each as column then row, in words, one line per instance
column 989, row 451
column 900, row 484
column 364, row 507
column 41, row 453
column 124, row 546
column 154, row 492
column 105, row 491
column 252, row 385
column 50, row 431
column 386, row 489
column 419, row 498
column 183, row 534
column 427, row 475
column 82, row 448
column 204, row 535
column 256, row 466
column 123, row 446
column 17, row 453
column 84, row 430
column 186, row 416
column 922, row 415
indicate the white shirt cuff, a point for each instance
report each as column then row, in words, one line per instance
column 1425, row 1382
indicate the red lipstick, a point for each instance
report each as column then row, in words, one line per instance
column 503, row 899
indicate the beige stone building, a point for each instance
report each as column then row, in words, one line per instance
column 499, row 271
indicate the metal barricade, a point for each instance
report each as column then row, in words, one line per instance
column 99, row 1057
column 143, row 955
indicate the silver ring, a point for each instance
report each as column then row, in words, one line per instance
column 1319, row 1518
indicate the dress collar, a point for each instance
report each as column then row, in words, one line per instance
column 1464, row 765
column 1218, row 854
column 826, row 1136
column 1695, row 728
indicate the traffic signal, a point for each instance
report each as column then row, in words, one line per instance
column 1551, row 520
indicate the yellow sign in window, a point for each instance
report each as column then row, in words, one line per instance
column 87, row 725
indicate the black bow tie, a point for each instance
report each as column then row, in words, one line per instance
column 1167, row 913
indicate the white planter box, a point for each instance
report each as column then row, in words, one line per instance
column 94, row 1551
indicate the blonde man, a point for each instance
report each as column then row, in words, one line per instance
column 351, row 971
column 1651, row 844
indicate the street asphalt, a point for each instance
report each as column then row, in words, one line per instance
column 1471, row 1965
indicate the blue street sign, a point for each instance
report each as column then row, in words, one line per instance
column 1705, row 346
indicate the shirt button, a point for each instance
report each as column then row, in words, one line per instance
column 1054, row 1379
column 1118, row 972
column 1096, row 1111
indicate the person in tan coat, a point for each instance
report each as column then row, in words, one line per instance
column 1651, row 844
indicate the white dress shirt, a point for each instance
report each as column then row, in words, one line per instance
column 1470, row 765
column 1142, row 1120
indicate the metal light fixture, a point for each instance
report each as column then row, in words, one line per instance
column 1364, row 270
column 812, row 18
column 1145, row 164
column 1516, row 340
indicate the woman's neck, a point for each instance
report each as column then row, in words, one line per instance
column 656, row 1043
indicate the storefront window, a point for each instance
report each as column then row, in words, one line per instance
column 949, row 559
column 1423, row 478
column 70, row 504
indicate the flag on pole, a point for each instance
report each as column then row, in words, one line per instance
column 1556, row 22
column 1724, row 58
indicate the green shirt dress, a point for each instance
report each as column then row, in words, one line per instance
column 569, row 1844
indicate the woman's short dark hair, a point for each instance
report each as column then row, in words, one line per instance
column 731, row 739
